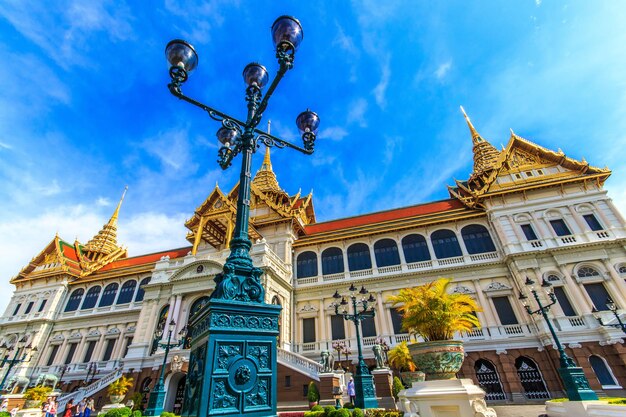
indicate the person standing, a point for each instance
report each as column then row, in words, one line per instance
column 52, row 411
column 80, row 411
column 45, row 408
column 88, row 407
column 69, row 409
column 351, row 391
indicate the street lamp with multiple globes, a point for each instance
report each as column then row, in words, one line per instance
column 237, row 326
column 363, row 379
column 613, row 307
column 20, row 347
column 574, row 380
column 92, row 370
column 157, row 396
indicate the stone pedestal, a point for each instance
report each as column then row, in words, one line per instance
column 108, row 407
column 383, row 380
column 29, row 412
column 330, row 383
column 584, row 409
column 15, row 400
column 445, row 398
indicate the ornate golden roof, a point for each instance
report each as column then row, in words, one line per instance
column 485, row 154
column 522, row 165
column 105, row 242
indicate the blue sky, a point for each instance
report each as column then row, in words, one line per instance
column 84, row 108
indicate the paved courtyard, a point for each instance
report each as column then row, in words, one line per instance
column 520, row 410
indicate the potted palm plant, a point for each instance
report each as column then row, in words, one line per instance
column 400, row 359
column 434, row 314
column 118, row 389
column 35, row 396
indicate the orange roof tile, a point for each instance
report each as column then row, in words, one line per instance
column 146, row 259
column 383, row 216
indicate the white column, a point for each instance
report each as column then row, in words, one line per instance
column 617, row 284
column 176, row 314
column 607, row 223
column 383, row 316
column 485, row 304
column 516, row 229
column 321, row 317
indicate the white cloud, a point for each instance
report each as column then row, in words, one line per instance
column 442, row 70
column 25, row 236
column 5, row 146
column 381, row 88
column 103, row 202
column 333, row 133
column 356, row 114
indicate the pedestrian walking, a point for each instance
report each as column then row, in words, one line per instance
column 69, row 409
column 351, row 391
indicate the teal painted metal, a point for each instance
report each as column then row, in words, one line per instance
column 363, row 379
column 232, row 367
column 574, row 379
column 157, row 396
column 12, row 362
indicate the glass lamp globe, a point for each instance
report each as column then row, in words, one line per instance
column 287, row 29
column 308, row 121
column 255, row 74
column 171, row 325
column 226, row 136
column 181, row 54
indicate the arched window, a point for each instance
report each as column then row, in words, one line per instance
column 587, row 271
column 477, row 239
column 108, row 295
column 91, row 298
column 386, row 252
column 415, row 248
column 127, row 291
column 359, row 257
column 332, row 261
column 197, row 306
column 74, row 301
column 445, row 244
column 489, row 380
column 531, row 379
column 306, row 265
column 140, row 291
column 602, row 371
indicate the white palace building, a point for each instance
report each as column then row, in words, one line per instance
column 525, row 211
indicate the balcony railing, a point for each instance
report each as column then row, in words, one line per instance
column 398, row 269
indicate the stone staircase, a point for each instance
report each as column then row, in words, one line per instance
column 299, row 363
column 89, row 390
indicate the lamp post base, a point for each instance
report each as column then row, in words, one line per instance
column 576, row 384
column 364, row 390
column 232, row 367
column 157, row 399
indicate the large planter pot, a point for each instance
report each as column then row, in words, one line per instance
column 116, row 399
column 439, row 359
column 410, row 377
column 32, row 404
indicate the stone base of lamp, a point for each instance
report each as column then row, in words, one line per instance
column 584, row 409
column 383, row 380
column 445, row 398
column 330, row 385
column 105, row 408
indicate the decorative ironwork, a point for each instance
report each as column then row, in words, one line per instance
column 489, row 380
column 531, row 380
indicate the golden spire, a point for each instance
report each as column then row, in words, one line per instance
column 105, row 242
column 485, row 154
column 265, row 178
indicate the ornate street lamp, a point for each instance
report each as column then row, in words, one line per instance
column 613, row 307
column 92, row 370
column 237, row 326
column 157, row 396
column 19, row 348
column 574, row 379
column 363, row 379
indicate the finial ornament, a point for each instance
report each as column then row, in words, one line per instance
column 485, row 154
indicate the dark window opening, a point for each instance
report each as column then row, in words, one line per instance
column 415, row 248
column 70, row 353
column 74, row 300
column 108, row 350
column 337, row 327
column 477, row 239
column 529, row 232
column 368, row 326
column 359, row 257
column 287, row 381
column 91, row 298
column 127, row 292
column 566, row 306
column 140, row 291
column 560, row 227
column 598, row 295
column 89, row 352
column 29, row 307
column 332, row 261
column 108, row 295
column 445, row 244
column 308, row 330
column 306, row 265
column 593, row 223
column 386, row 253
column 42, row 305
column 396, row 320
column 53, row 355
column 601, row 370
column 17, row 309
column 504, row 310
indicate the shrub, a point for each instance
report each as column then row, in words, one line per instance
column 313, row 394
column 357, row 412
column 319, row 413
column 118, row 412
column 379, row 412
column 137, row 413
column 167, row 414
column 396, row 387
column 342, row 412
column 329, row 409
column 349, row 406
column 317, row 408
column 5, row 414
column 39, row 393
column 137, row 398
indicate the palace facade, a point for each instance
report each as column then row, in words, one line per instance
column 525, row 211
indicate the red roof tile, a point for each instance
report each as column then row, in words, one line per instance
column 384, row 216
column 146, row 259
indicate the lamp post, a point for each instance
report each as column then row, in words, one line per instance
column 92, row 370
column 613, row 307
column 237, row 325
column 19, row 348
column 157, row 396
column 574, row 380
column 363, row 379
